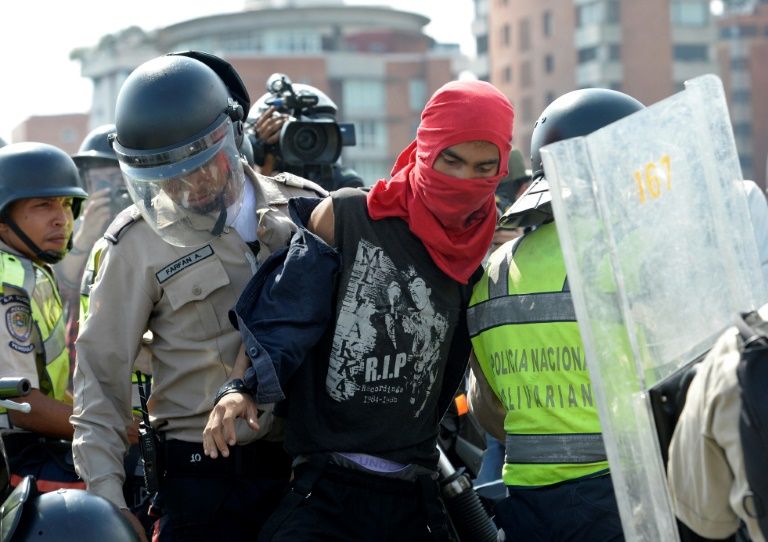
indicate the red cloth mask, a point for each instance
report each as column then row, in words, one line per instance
column 454, row 218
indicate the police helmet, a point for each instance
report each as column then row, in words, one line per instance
column 96, row 146
column 577, row 113
column 178, row 134
column 37, row 170
column 72, row 514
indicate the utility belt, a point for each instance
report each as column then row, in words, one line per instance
column 258, row 459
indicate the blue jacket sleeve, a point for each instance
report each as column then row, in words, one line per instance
column 286, row 307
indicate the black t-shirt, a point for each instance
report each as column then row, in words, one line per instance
column 382, row 377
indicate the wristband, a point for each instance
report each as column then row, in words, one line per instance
column 233, row 386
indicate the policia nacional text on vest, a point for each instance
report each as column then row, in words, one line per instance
column 526, row 339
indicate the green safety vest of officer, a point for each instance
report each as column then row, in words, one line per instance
column 530, row 382
column 40, row 196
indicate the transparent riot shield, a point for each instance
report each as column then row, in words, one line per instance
column 660, row 255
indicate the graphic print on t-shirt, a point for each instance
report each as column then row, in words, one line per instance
column 388, row 337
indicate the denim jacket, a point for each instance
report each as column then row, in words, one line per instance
column 288, row 305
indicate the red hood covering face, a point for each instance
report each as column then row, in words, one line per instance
column 454, row 218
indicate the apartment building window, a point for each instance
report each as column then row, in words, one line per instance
column 526, row 77
column 740, row 63
column 613, row 12
column 293, row 41
column 589, row 14
column 371, row 134
column 546, row 23
column 691, row 53
column 614, row 52
column 615, row 85
column 549, row 63
column 417, row 94
column 481, row 43
column 742, row 129
column 506, row 35
column 741, row 96
column 747, row 31
column 587, row 54
column 363, row 96
column 507, row 74
column 525, row 35
column 549, row 97
column 689, row 12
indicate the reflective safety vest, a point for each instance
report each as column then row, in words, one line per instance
column 526, row 339
column 36, row 284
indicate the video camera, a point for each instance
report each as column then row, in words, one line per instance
column 311, row 140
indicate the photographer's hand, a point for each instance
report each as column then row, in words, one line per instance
column 269, row 124
column 95, row 216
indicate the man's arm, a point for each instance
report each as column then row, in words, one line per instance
column 483, row 403
column 108, row 344
column 321, row 222
column 48, row 416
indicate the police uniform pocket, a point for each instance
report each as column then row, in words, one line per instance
column 196, row 295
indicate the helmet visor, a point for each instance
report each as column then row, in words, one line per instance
column 190, row 193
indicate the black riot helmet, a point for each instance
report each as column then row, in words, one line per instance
column 96, row 146
column 37, row 170
column 67, row 514
column 178, row 134
column 577, row 113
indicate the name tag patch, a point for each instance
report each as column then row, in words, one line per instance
column 183, row 262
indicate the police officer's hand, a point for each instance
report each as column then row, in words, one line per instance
column 269, row 124
column 219, row 432
column 96, row 214
column 135, row 523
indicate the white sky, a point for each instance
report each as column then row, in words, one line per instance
column 36, row 36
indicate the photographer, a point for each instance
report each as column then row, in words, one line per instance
column 311, row 145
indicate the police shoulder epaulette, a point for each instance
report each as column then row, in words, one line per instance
column 121, row 223
column 290, row 179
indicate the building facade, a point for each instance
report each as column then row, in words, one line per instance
column 743, row 57
column 376, row 63
column 540, row 49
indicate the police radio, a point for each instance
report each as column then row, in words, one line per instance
column 148, row 442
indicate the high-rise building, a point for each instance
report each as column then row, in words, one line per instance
column 743, row 57
column 376, row 63
column 540, row 49
column 480, row 65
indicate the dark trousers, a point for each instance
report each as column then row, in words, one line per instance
column 348, row 505
column 577, row 510
column 220, row 499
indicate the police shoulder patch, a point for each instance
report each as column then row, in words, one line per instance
column 121, row 223
column 18, row 322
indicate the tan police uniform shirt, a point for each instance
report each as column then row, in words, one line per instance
column 707, row 480
column 183, row 296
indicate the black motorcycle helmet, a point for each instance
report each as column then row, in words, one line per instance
column 37, row 170
column 577, row 113
column 174, row 115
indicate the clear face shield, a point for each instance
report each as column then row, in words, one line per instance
column 187, row 194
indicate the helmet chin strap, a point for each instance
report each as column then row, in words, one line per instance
column 48, row 256
column 221, row 221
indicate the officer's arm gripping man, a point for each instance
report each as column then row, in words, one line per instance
column 109, row 342
column 484, row 405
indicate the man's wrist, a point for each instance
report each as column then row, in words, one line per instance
column 236, row 385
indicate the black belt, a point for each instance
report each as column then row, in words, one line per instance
column 263, row 459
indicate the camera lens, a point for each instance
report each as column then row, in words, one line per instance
column 306, row 140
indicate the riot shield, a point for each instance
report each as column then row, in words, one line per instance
column 660, row 255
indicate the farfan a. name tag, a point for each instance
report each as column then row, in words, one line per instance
column 182, row 263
